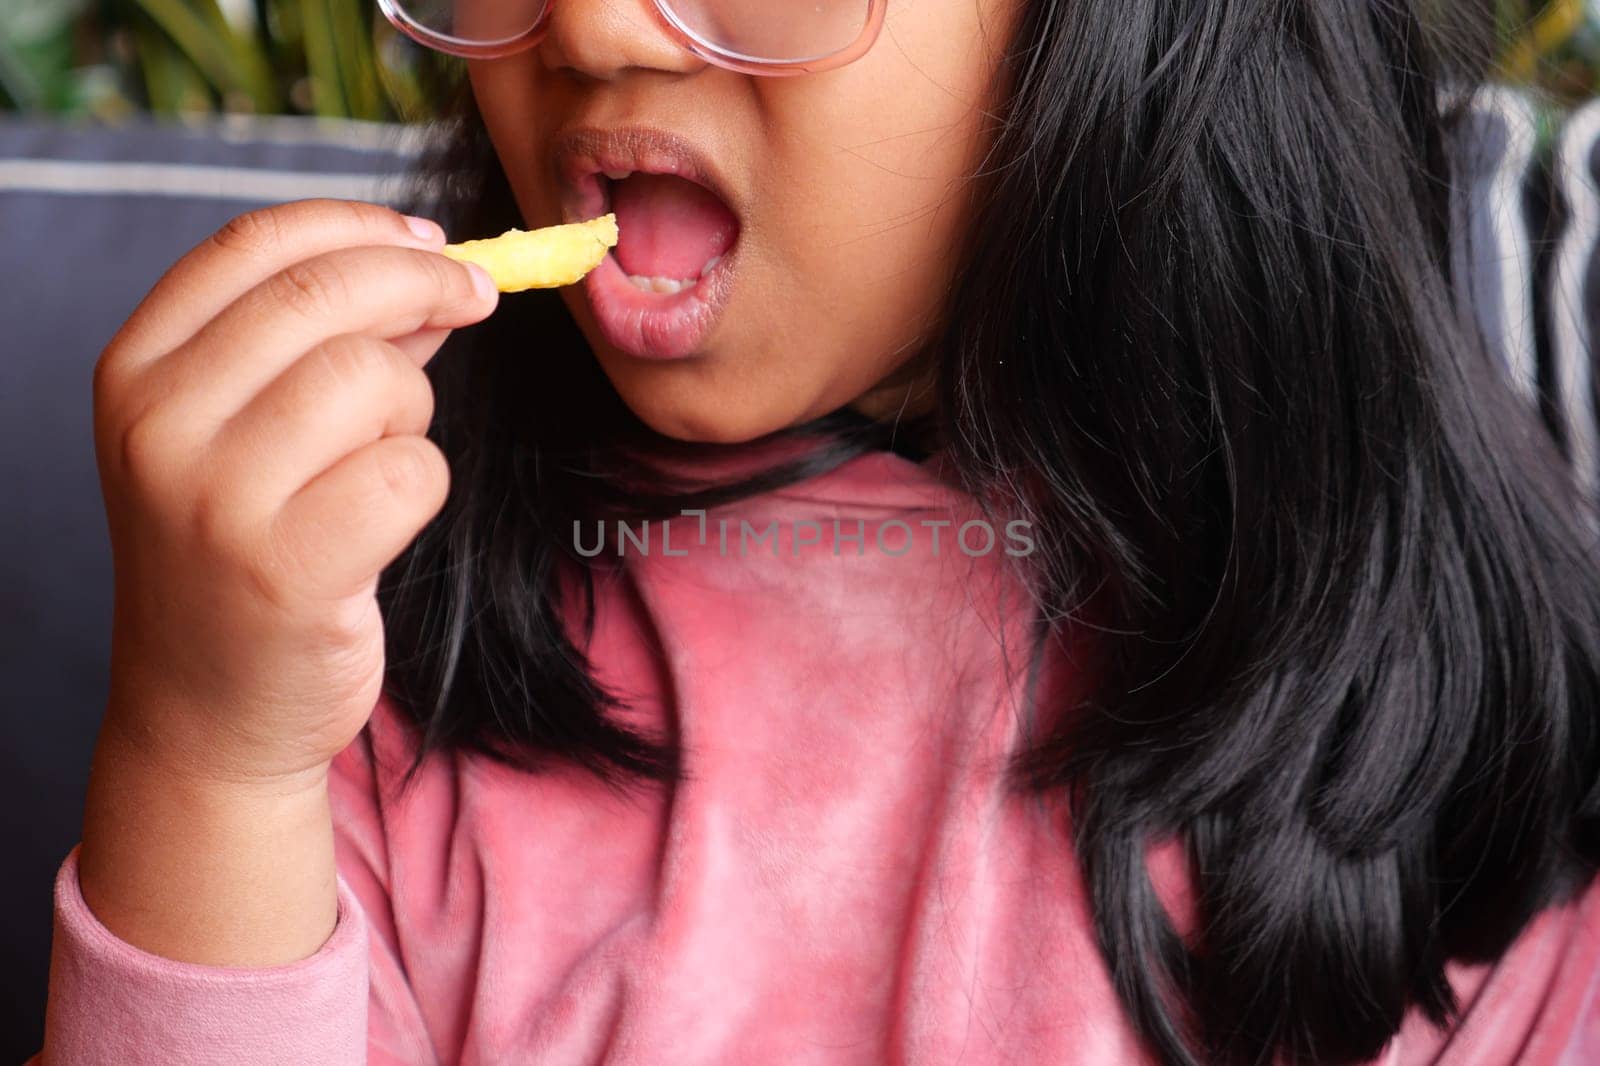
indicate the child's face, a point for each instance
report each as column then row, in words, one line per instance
column 844, row 193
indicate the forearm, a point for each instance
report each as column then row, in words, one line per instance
column 206, row 871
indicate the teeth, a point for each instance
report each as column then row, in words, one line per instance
column 672, row 285
column 667, row 286
column 618, row 175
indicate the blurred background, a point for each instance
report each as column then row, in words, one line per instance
column 109, row 59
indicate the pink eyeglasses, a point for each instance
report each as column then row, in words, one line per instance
column 751, row 36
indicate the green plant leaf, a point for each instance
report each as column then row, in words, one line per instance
column 358, row 65
column 171, row 81
column 229, row 61
column 322, row 59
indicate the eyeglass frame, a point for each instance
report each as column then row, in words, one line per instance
column 682, row 34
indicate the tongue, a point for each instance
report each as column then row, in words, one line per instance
column 668, row 227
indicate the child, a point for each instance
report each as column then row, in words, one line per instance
column 1016, row 556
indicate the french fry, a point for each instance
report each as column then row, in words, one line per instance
column 543, row 258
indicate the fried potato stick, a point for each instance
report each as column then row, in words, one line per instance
column 543, row 258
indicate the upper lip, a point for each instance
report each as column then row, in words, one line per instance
column 582, row 154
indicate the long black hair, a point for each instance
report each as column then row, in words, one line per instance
column 1206, row 338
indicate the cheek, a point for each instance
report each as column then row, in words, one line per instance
column 516, row 115
column 872, row 173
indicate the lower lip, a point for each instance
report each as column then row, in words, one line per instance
column 656, row 325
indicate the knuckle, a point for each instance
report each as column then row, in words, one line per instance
column 423, row 397
column 314, row 288
column 270, row 566
column 410, row 468
column 254, row 558
column 353, row 361
column 374, row 221
column 147, row 451
column 106, row 380
column 258, row 232
column 252, row 233
column 337, row 634
column 119, row 393
column 365, row 215
column 215, row 525
column 347, row 628
column 438, row 278
column 453, row 278
column 411, row 397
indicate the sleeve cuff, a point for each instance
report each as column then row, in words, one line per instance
column 111, row 1002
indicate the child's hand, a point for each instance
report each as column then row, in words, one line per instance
column 259, row 428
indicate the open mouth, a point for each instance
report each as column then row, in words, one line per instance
column 661, row 291
column 672, row 231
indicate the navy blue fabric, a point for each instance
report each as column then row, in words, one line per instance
column 276, row 143
column 72, row 267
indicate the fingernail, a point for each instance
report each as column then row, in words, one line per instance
column 483, row 282
column 426, row 229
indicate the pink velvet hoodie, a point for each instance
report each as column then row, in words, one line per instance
column 843, row 879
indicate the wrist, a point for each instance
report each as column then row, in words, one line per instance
column 206, row 867
column 148, row 735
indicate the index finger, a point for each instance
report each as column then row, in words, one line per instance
column 247, row 251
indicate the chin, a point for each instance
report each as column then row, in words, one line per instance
column 702, row 423
column 692, row 411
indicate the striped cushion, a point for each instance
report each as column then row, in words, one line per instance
column 1528, row 221
column 1571, row 291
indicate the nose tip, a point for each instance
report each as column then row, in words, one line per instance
column 602, row 39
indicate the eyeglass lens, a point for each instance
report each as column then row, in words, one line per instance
column 779, row 31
